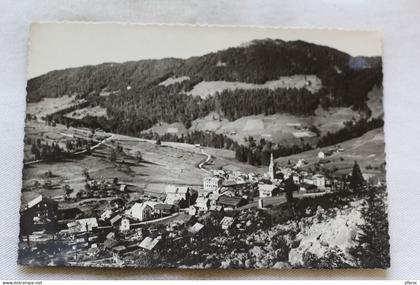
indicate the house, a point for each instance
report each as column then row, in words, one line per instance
column 233, row 202
column 125, row 225
column 70, row 213
column 307, row 188
column 192, row 210
column 141, row 211
column 83, row 225
column 110, row 244
column 296, row 178
column 115, row 219
column 92, row 184
column 319, row 180
column 321, row 155
column 37, row 212
column 164, row 209
column 203, row 203
column 218, row 172
column 175, row 226
column 301, row 162
column 212, row 183
column 226, row 222
column 119, row 249
column 149, row 243
column 267, row 190
column 197, row 227
column 106, row 215
column 123, row 188
column 178, row 196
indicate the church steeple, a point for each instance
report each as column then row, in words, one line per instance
column 271, row 167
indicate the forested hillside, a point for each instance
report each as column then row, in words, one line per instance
column 137, row 99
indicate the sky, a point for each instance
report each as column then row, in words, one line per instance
column 56, row 46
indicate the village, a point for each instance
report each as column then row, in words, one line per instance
column 122, row 223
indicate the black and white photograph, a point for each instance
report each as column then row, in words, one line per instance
column 203, row 147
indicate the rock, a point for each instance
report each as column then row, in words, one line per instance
column 248, row 263
column 281, row 265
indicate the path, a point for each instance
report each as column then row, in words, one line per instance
column 205, row 161
column 74, row 153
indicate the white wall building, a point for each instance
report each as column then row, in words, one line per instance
column 319, row 180
column 212, row 183
column 125, row 225
column 266, row 190
column 141, row 211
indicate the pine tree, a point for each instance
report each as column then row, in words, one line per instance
column 356, row 180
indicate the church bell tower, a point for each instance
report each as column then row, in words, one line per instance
column 271, row 170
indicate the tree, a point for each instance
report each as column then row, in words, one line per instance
column 112, row 155
column 289, row 187
column 68, row 190
column 86, row 173
column 139, row 157
column 356, row 180
column 372, row 248
column 158, row 141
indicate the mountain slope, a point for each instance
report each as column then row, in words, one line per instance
column 143, row 93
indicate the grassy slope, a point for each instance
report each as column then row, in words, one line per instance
column 369, row 149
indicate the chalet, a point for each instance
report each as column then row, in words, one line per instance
column 192, row 210
column 119, row 249
column 319, row 180
column 307, row 188
column 36, row 212
column 233, row 184
column 268, row 190
column 110, row 244
column 125, row 225
column 106, row 215
column 83, row 225
column 321, row 155
column 217, row 172
column 141, row 211
column 212, row 183
column 175, row 226
column 197, row 227
column 123, row 188
column 178, row 196
column 296, row 178
column 149, row 243
column 115, row 219
column 203, row 203
column 226, row 222
column 233, row 202
column 164, row 209
column 300, row 163
column 92, row 184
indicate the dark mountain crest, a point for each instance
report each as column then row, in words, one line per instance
column 347, row 79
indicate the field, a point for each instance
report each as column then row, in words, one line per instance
column 173, row 80
column 96, row 111
column 209, row 88
column 48, row 106
column 333, row 119
column 279, row 128
column 163, row 128
column 169, row 163
column 367, row 150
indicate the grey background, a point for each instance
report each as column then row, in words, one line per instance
column 397, row 20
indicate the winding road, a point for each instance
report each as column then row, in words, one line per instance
column 205, row 161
